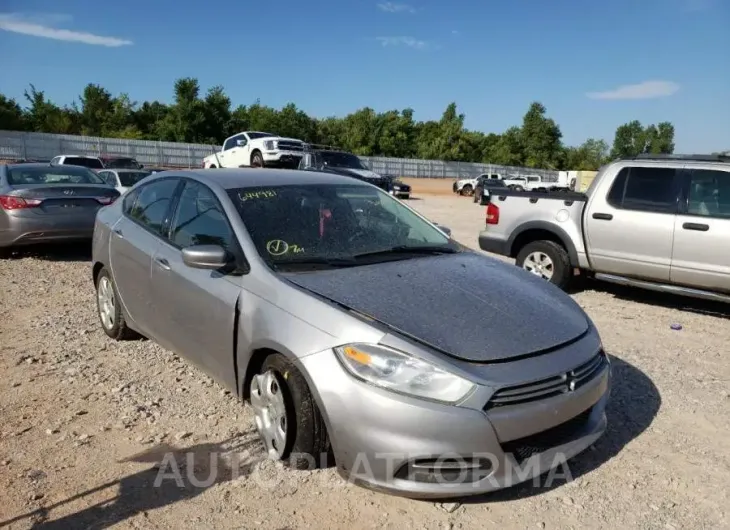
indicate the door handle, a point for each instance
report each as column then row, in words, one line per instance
column 163, row 263
column 701, row 227
column 603, row 216
column 118, row 231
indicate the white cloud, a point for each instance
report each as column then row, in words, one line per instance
column 392, row 7
column 42, row 26
column 410, row 42
column 645, row 90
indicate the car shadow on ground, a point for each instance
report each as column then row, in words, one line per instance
column 665, row 300
column 633, row 404
column 52, row 252
column 179, row 474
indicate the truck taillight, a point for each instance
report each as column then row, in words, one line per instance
column 492, row 214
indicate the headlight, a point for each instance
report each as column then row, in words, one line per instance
column 270, row 145
column 403, row 373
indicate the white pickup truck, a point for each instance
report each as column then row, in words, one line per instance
column 257, row 149
column 659, row 222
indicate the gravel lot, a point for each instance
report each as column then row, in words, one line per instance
column 86, row 420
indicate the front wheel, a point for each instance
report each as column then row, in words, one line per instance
column 548, row 260
column 287, row 418
column 467, row 190
column 257, row 160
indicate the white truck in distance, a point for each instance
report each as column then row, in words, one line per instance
column 257, row 149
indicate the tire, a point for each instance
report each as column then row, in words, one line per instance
column 257, row 160
column 115, row 326
column 307, row 444
column 518, row 188
column 477, row 195
column 213, row 167
column 467, row 190
column 562, row 272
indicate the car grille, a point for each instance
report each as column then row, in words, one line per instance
column 284, row 145
column 523, row 448
column 549, row 387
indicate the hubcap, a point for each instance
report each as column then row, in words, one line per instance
column 267, row 401
column 106, row 299
column 539, row 264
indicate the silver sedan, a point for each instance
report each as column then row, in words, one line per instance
column 40, row 203
column 337, row 312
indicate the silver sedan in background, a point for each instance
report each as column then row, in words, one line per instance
column 337, row 312
column 40, row 203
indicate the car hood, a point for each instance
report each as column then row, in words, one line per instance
column 365, row 173
column 465, row 181
column 282, row 138
column 466, row 305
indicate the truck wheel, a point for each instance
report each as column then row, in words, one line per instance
column 257, row 160
column 467, row 190
column 287, row 418
column 546, row 259
column 213, row 167
column 518, row 188
column 476, row 196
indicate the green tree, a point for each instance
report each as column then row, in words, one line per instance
column 11, row 115
column 540, row 139
column 211, row 118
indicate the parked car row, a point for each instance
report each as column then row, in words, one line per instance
column 479, row 187
column 659, row 222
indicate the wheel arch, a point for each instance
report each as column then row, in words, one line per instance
column 95, row 270
column 541, row 230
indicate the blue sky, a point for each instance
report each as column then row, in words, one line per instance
column 594, row 67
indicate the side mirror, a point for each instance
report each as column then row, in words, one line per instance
column 444, row 229
column 141, row 166
column 206, row 257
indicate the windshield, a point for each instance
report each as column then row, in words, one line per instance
column 332, row 222
column 344, row 160
column 93, row 163
column 255, row 135
column 52, row 175
column 122, row 163
column 130, row 178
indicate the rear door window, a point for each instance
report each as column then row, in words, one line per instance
column 709, row 193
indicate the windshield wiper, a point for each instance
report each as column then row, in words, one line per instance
column 407, row 249
column 332, row 262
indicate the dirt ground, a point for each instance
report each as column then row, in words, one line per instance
column 86, row 422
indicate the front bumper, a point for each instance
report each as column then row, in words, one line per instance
column 282, row 158
column 27, row 229
column 389, row 442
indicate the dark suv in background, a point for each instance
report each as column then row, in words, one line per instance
column 333, row 160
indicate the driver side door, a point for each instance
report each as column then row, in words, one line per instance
column 195, row 308
column 238, row 155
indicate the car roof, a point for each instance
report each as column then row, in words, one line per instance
column 81, row 156
column 233, row 178
column 116, row 157
column 127, row 169
column 31, row 165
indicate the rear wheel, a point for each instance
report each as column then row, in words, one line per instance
column 109, row 309
column 548, row 260
column 287, row 418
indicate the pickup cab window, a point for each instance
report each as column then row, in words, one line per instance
column 649, row 189
column 709, row 193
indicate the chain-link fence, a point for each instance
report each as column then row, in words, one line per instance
column 16, row 145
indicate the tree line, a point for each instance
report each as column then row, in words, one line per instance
column 209, row 118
